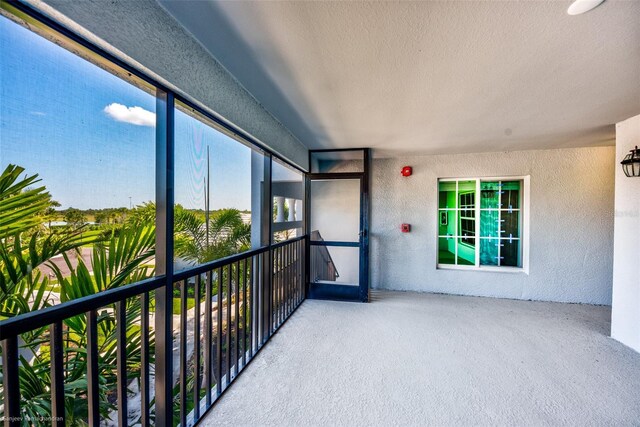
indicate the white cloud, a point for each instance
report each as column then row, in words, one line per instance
column 37, row 113
column 134, row 115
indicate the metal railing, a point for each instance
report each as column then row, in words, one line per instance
column 229, row 308
column 322, row 267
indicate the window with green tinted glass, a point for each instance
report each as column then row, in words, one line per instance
column 480, row 222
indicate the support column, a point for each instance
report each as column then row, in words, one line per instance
column 164, row 258
column 292, row 209
column 299, row 210
column 280, row 208
column 258, row 197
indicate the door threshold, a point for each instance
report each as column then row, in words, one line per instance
column 332, row 291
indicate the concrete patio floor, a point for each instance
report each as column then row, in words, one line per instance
column 424, row 359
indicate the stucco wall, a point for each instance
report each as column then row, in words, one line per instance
column 571, row 224
column 144, row 35
column 625, row 310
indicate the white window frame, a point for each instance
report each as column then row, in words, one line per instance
column 524, row 224
column 461, row 218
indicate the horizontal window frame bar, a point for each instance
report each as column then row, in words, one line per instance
column 334, row 243
column 26, row 322
column 498, row 238
column 481, row 209
column 329, row 176
column 327, row 150
column 485, row 268
column 286, row 225
column 41, row 318
column 212, row 265
column 480, row 237
column 223, row 262
column 484, row 179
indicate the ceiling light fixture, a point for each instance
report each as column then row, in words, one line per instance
column 581, row 6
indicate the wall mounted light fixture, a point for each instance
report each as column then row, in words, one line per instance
column 631, row 163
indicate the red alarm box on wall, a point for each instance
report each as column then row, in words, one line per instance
column 406, row 228
column 406, row 171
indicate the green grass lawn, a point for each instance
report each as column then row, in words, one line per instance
column 53, row 286
column 191, row 302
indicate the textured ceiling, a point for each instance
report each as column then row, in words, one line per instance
column 430, row 77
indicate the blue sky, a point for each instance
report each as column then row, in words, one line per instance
column 90, row 135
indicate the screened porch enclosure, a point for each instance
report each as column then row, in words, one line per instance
column 184, row 192
column 158, row 247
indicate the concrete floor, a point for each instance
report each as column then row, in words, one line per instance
column 423, row 359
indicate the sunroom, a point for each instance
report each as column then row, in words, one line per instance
column 320, row 213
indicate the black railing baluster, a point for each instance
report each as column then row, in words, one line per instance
column 283, row 276
column 11, row 382
column 244, row 313
column 121, row 362
column 279, row 289
column 278, row 267
column 283, row 252
column 228, row 328
column 287, row 285
column 300, row 270
column 207, row 339
column 294, row 275
column 260, row 306
column 254, row 297
column 219, row 336
column 289, row 278
column 144, row 360
column 296, row 252
column 266, row 285
column 269, row 286
column 93, row 380
column 196, row 350
column 57, row 374
column 183, row 352
column 294, row 247
column 274, row 289
column 285, row 282
column 282, row 284
column 236, row 318
column 270, row 294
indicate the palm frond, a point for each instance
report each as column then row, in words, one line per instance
column 20, row 207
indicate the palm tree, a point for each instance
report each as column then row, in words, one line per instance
column 228, row 235
column 117, row 259
column 25, row 245
column 120, row 255
column 51, row 211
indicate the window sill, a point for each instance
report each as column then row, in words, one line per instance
column 488, row 269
